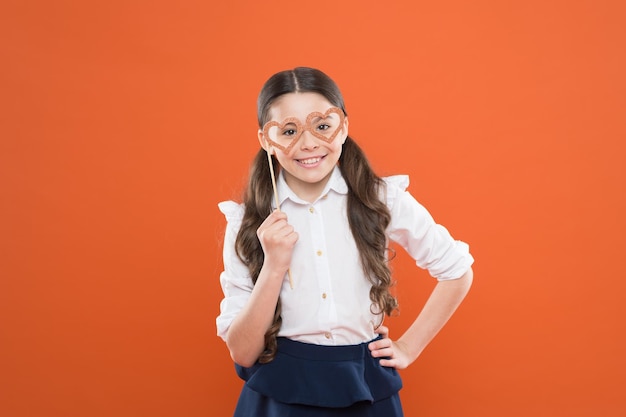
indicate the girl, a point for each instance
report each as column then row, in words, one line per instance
column 306, row 279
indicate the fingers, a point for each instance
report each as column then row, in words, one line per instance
column 381, row 348
column 390, row 363
column 276, row 229
column 278, row 239
column 387, row 352
column 384, row 346
column 274, row 218
column 391, row 354
column 382, row 330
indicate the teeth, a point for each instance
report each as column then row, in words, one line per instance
column 310, row 161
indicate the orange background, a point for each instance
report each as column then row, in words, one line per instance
column 124, row 123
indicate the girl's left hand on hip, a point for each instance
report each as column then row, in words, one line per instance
column 393, row 354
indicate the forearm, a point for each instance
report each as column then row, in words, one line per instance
column 246, row 336
column 442, row 303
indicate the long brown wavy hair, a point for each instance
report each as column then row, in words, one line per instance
column 365, row 205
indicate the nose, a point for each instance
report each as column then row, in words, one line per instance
column 308, row 141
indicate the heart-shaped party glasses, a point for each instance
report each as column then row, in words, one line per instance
column 324, row 126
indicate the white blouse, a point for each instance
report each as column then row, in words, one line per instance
column 330, row 303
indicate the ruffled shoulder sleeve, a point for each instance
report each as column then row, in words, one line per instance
column 394, row 186
column 232, row 211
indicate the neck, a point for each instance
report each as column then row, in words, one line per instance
column 308, row 192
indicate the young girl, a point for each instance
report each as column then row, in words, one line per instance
column 306, row 279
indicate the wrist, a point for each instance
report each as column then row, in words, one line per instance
column 412, row 350
column 272, row 272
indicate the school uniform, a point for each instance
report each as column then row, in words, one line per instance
column 323, row 366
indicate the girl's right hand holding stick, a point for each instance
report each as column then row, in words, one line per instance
column 278, row 239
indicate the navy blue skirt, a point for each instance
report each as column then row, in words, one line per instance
column 306, row 380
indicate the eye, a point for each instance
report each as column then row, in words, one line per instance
column 289, row 132
column 323, row 126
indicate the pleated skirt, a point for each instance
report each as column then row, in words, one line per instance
column 306, row 380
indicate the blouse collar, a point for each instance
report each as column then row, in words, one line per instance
column 335, row 183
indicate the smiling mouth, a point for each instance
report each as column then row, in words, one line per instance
column 310, row 161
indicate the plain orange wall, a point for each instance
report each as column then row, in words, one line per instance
column 124, row 123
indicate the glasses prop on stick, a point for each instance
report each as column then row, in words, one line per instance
column 284, row 136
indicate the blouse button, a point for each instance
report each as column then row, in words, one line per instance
column 324, row 296
column 327, row 335
column 311, row 209
column 319, row 253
